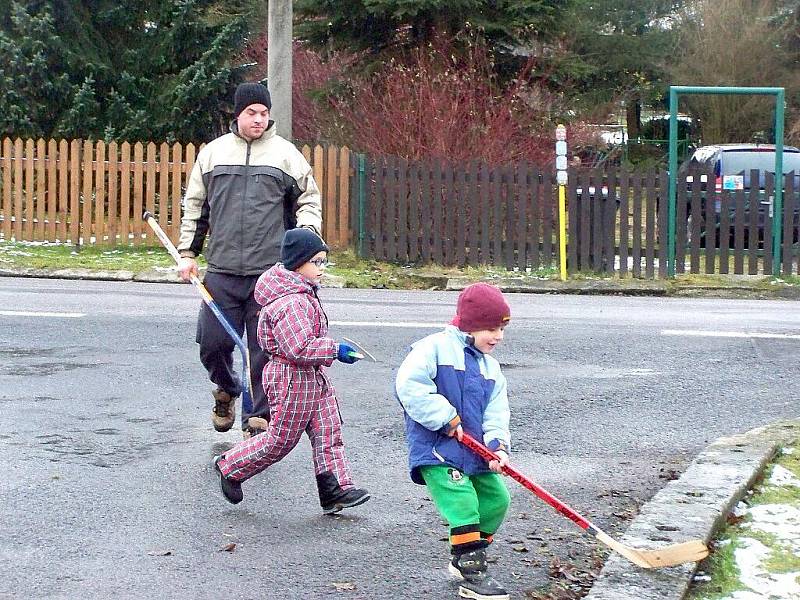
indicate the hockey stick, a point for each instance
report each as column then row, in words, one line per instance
column 247, row 384
column 667, row 556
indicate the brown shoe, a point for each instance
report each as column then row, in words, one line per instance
column 224, row 412
column 255, row 426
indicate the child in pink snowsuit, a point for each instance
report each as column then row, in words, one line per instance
column 292, row 328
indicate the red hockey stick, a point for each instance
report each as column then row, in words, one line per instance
column 667, row 556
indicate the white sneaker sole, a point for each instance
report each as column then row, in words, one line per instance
column 465, row 593
column 341, row 506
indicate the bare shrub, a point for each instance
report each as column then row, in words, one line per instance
column 735, row 43
column 430, row 103
column 434, row 103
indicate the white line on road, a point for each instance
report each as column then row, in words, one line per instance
column 383, row 324
column 731, row 334
column 55, row 315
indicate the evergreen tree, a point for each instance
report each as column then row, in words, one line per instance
column 619, row 50
column 151, row 70
column 34, row 77
column 387, row 26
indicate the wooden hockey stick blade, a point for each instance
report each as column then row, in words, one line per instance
column 667, row 556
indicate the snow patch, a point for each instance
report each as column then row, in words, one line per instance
column 780, row 520
column 740, row 509
column 783, row 476
column 762, row 585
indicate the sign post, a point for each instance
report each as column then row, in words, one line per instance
column 561, row 179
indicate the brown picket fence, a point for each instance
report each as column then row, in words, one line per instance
column 415, row 212
column 616, row 221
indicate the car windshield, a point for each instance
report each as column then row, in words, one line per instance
column 736, row 161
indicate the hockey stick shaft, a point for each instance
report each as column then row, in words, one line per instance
column 542, row 493
column 247, row 384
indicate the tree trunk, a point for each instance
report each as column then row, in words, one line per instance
column 633, row 117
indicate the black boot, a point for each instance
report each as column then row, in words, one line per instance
column 231, row 489
column 472, row 569
column 333, row 498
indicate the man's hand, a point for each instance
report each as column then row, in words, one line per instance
column 187, row 267
column 497, row 465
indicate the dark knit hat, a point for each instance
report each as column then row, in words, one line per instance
column 250, row 93
column 298, row 246
column 481, row 306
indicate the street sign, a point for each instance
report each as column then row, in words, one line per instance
column 561, row 133
column 561, row 147
column 561, row 177
column 561, row 162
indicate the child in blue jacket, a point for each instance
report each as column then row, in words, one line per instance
column 449, row 384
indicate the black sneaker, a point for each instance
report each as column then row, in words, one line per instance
column 482, row 587
column 348, row 499
column 232, row 490
column 454, row 569
column 471, row 568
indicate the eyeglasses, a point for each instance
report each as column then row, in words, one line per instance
column 320, row 263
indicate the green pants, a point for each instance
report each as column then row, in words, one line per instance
column 473, row 506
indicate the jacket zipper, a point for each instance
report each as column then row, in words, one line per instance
column 244, row 206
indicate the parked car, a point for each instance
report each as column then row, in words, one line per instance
column 727, row 161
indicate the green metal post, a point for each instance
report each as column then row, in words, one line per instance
column 779, row 93
column 673, row 172
column 777, row 227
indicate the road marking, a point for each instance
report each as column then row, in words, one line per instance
column 55, row 315
column 410, row 324
column 731, row 334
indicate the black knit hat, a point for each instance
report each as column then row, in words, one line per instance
column 298, row 246
column 250, row 93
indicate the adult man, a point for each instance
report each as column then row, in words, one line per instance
column 247, row 187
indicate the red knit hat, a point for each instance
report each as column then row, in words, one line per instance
column 481, row 306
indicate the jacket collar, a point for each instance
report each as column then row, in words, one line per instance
column 466, row 339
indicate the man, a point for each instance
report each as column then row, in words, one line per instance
column 246, row 189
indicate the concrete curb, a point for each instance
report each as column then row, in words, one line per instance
column 633, row 287
column 164, row 275
column 690, row 507
column 628, row 287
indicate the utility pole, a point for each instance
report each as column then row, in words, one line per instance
column 279, row 64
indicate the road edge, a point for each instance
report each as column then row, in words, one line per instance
column 694, row 506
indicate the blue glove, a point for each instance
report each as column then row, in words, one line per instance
column 347, row 354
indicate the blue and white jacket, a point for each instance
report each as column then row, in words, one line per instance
column 442, row 379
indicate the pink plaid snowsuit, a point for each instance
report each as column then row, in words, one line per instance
column 292, row 328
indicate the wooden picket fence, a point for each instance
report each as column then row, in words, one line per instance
column 84, row 192
column 474, row 214
column 458, row 214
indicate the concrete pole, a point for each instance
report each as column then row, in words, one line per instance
column 279, row 64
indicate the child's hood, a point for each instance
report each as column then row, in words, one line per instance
column 277, row 282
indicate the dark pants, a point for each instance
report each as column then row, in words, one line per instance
column 234, row 296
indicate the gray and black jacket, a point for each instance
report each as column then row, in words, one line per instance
column 247, row 194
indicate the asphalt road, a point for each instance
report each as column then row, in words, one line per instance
column 107, row 489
